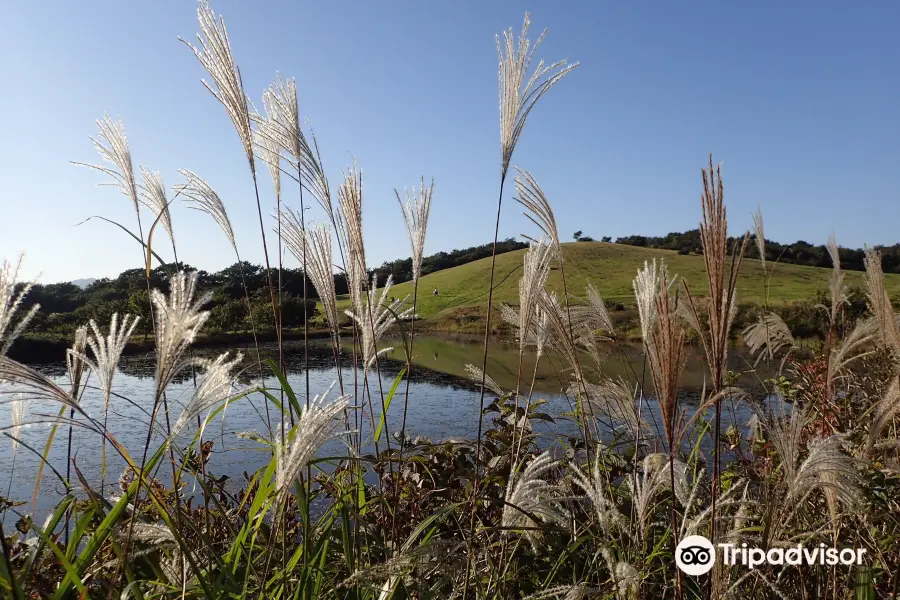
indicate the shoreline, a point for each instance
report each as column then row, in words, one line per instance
column 52, row 348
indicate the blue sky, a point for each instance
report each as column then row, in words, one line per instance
column 799, row 100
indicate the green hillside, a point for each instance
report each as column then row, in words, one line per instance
column 611, row 268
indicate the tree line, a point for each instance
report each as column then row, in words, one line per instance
column 65, row 306
column 797, row 253
column 401, row 269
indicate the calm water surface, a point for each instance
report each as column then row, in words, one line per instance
column 442, row 403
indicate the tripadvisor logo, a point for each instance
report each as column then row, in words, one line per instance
column 695, row 555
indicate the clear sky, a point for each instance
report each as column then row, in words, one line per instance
column 799, row 100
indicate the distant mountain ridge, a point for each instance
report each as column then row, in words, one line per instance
column 83, row 283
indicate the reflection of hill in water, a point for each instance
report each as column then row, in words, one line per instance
column 321, row 358
column 442, row 359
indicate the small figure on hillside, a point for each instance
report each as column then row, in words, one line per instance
column 393, row 299
column 434, row 293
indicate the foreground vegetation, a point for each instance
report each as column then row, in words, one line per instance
column 596, row 514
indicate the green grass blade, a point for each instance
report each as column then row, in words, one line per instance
column 9, row 585
column 282, row 380
column 106, row 528
column 426, row 523
column 81, row 526
column 47, row 447
column 387, row 402
column 71, row 573
column 51, row 524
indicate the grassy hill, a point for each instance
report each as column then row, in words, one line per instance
column 463, row 290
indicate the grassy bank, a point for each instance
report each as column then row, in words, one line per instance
column 462, row 296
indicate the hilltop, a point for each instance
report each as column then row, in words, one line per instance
column 463, row 290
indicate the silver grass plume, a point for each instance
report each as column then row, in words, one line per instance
column 150, row 534
column 538, row 210
column 509, row 314
column 371, row 320
column 199, row 195
column 646, row 287
column 742, row 514
column 315, row 427
column 625, row 577
column 721, row 277
column 316, row 182
column 528, row 495
column 837, row 289
column 350, row 200
column 732, row 313
column 75, row 361
column 319, row 261
column 537, row 333
column 423, row 559
column 519, row 92
column 560, row 330
column 735, row 497
column 760, row 237
column 769, row 333
column 664, row 341
column 178, row 319
column 831, row 469
column 595, row 312
column 35, row 385
column 853, row 346
column 177, row 569
column 535, row 270
column 107, row 351
column 563, row 592
column 885, row 411
column 690, row 317
column 153, row 196
column 653, row 479
column 587, row 319
column 9, row 304
column 826, row 466
column 415, row 213
column 476, row 374
column 880, row 303
column 214, row 53
column 215, row 388
column 609, row 518
column 17, row 411
column 686, row 522
column 269, row 149
column 112, row 145
column 616, row 399
column 376, row 318
column 731, row 591
column 285, row 130
column 283, row 118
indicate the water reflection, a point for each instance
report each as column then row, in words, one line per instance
column 442, row 403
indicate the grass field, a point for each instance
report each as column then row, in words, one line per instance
column 463, row 290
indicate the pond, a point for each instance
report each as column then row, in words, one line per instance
column 443, row 402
